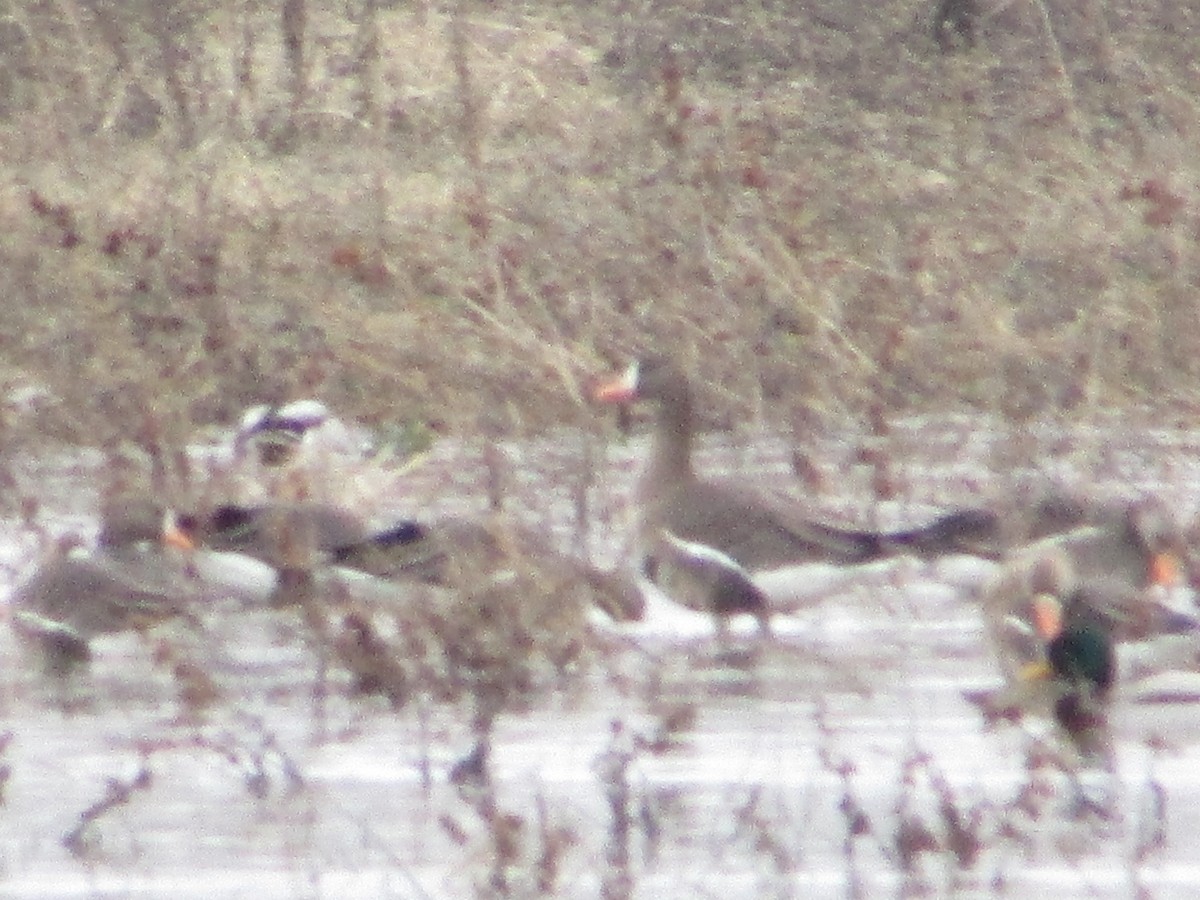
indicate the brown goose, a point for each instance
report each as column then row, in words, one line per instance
column 125, row 583
column 738, row 522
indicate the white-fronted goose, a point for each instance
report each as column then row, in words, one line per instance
column 996, row 532
column 755, row 531
column 1132, row 540
column 479, row 607
column 295, row 538
column 125, row 583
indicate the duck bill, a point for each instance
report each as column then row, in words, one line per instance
column 1165, row 570
column 1047, row 616
column 620, row 389
column 174, row 536
column 1034, row 672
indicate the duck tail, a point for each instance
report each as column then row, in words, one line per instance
column 406, row 533
column 401, row 534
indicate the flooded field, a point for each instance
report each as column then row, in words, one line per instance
column 838, row 759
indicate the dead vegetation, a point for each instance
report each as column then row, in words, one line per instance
column 426, row 213
column 450, row 216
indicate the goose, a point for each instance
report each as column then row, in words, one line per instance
column 733, row 520
column 125, row 582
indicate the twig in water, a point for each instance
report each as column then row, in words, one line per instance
column 118, row 793
column 612, row 767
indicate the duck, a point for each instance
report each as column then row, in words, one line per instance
column 1011, row 609
column 755, row 531
column 445, row 551
column 1055, row 642
column 260, row 531
column 1055, row 623
column 125, row 583
column 1112, row 599
column 437, row 552
column 275, row 431
column 1078, row 670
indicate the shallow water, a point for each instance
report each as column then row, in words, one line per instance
column 840, row 759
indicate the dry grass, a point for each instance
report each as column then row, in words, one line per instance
column 811, row 205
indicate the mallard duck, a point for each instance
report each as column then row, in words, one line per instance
column 262, row 531
column 1055, row 633
column 276, row 431
column 1078, row 669
column 1115, row 601
column 445, row 551
column 437, row 552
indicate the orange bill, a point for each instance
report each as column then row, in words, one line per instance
column 619, row 389
column 1165, row 570
column 174, row 536
column 1047, row 616
column 1039, row 670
